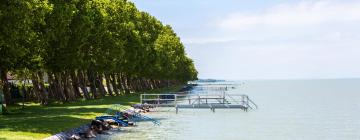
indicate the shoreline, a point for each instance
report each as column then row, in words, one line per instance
column 87, row 131
column 68, row 134
column 40, row 122
column 74, row 133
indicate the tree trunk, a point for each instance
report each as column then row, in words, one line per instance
column 109, row 89
column 150, row 83
column 83, row 85
column 141, row 84
column 114, row 85
column 121, row 83
column 129, row 84
column 6, row 87
column 42, row 90
column 124, row 83
column 92, row 84
column 59, row 89
column 34, row 80
column 135, row 84
column 100, row 84
column 67, row 86
column 52, row 87
column 144, row 85
column 75, row 84
column 63, row 85
column 154, row 82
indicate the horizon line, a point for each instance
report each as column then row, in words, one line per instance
column 340, row 78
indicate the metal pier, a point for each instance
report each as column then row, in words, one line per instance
column 200, row 101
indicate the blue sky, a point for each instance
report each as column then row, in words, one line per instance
column 277, row 39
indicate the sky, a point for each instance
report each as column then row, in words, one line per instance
column 277, row 39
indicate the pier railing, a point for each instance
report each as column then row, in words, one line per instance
column 159, row 100
column 200, row 100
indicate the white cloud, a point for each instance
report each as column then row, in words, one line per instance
column 276, row 61
column 207, row 40
column 294, row 15
column 253, row 39
column 298, row 40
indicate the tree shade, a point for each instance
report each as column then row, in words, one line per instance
column 73, row 49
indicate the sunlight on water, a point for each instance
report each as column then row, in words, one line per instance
column 288, row 110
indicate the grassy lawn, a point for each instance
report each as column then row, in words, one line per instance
column 37, row 122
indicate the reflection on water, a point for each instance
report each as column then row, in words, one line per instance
column 288, row 110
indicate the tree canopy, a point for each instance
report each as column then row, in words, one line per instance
column 87, row 49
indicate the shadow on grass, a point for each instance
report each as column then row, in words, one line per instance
column 108, row 100
column 58, row 117
column 51, row 120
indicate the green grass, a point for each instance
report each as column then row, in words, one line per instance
column 38, row 122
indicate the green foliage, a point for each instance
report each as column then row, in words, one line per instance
column 75, row 43
column 102, row 35
column 19, row 38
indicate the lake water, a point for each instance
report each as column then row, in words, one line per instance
column 288, row 110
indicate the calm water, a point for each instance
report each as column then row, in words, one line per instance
column 288, row 110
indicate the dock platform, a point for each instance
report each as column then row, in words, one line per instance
column 200, row 101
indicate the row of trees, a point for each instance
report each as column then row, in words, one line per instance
column 72, row 49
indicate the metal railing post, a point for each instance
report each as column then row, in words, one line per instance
column 175, row 99
column 141, row 100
